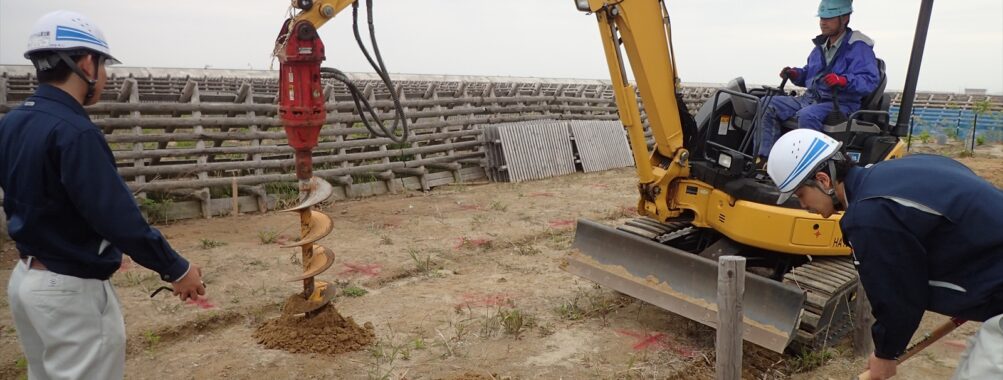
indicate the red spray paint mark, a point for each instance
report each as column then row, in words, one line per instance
column 201, row 302
column 368, row 270
column 599, row 186
column 484, row 300
column 561, row 223
column 658, row 341
column 281, row 240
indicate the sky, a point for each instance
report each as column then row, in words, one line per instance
column 715, row 40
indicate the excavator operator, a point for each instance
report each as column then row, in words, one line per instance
column 925, row 235
column 841, row 65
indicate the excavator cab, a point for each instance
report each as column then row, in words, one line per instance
column 728, row 125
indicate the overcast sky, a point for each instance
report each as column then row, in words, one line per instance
column 715, row 40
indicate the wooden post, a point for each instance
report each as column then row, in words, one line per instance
column 863, row 343
column 234, row 192
column 130, row 92
column 730, row 291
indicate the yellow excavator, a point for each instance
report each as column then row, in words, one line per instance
column 701, row 196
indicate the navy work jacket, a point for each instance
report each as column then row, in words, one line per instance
column 927, row 234
column 66, row 205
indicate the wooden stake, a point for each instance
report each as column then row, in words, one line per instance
column 730, row 291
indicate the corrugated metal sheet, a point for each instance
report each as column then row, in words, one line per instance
column 528, row 150
column 602, row 145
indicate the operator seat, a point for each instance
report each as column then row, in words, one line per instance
column 877, row 100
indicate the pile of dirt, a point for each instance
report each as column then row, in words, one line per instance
column 327, row 332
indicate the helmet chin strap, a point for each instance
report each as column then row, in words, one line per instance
column 831, row 192
column 91, row 82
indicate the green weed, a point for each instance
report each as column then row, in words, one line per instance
column 354, row 291
column 809, row 360
column 210, row 244
column 268, row 236
column 151, row 339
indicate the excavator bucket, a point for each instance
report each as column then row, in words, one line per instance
column 682, row 282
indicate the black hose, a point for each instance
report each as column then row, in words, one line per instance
column 400, row 120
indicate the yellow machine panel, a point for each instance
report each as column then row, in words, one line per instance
column 813, row 232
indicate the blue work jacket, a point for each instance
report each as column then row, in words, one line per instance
column 66, row 205
column 854, row 60
column 927, row 234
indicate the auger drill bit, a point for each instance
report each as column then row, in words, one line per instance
column 302, row 110
column 314, row 225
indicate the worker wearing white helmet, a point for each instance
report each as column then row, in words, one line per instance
column 925, row 235
column 57, row 42
column 71, row 214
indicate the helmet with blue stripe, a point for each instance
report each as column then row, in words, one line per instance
column 834, row 8
column 68, row 32
column 796, row 157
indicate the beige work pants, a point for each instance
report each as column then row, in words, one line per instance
column 69, row 327
column 984, row 357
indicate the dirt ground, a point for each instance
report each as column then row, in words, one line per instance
column 459, row 283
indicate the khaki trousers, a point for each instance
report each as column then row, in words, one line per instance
column 984, row 357
column 69, row 327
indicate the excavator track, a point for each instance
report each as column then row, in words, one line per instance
column 829, row 283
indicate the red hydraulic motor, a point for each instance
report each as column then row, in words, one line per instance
column 301, row 98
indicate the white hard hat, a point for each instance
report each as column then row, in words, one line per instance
column 796, row 157
column 67, row 31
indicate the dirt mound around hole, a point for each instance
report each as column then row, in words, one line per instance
column 327, row 332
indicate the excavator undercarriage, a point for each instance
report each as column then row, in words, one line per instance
column 790, row 301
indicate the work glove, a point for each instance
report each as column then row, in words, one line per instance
column 789, row 73
column 834, row 80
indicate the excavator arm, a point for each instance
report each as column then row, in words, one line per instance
column 319, row 12
column 641, row 30
column 637, row 32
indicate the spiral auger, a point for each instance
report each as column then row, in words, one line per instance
column 314, row 225
column 303, row 113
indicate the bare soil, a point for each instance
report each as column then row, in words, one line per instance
column 459, row 283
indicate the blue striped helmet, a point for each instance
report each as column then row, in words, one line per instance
column 67, row 31
column 796, row 157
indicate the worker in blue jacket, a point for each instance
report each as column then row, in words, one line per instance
column 843, row 61
column 71, row 214
column 926, row 234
